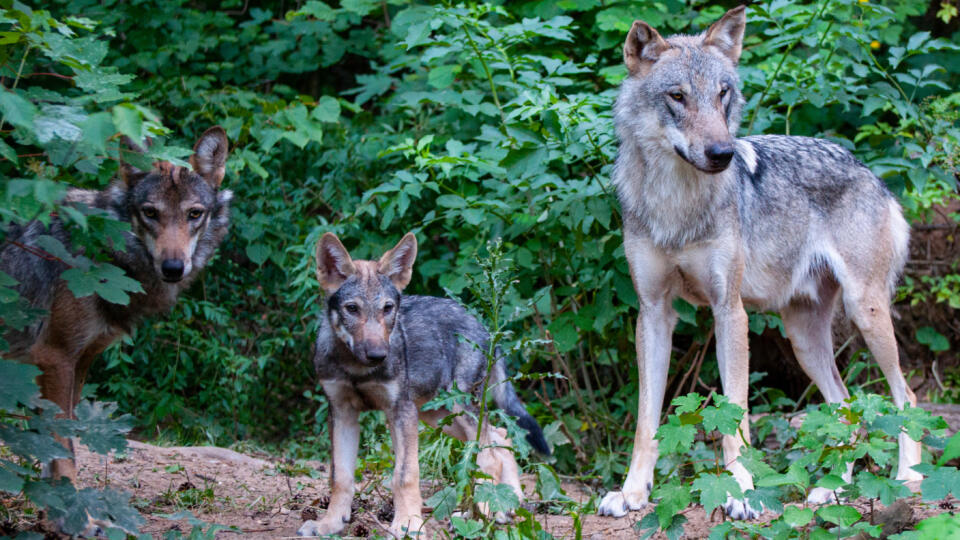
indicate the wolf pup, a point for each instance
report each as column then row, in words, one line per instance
column 791, row 224
column 377, row 349
column 177, row 218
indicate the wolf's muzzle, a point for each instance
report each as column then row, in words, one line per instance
column 719, row 155
column 172, row 270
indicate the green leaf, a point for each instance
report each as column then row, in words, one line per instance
column 16, row 110
column 724, row 416
column 443, row 76
column 839, row 514
column 878, row 487
column 10, row 476
column 499, row 497
column 444, row 502
column 939, row 482
column 715, row 488
column 952, row 451
column 327, row 110
column 258, row 253
column 98, row 430
column 673, row 497
column 934, row 340
column 797, row 516
column 17, row 386
column 466, row 528
column 129, row 121
column 674, row 436
column 688, row 403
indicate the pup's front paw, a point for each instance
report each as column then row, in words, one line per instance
column 741, row 508
column 409, row 526
column 618, row 503
column 323, row 527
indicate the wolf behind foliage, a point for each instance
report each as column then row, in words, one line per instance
column 379, row 350
column 177, row 218
column 784, row 223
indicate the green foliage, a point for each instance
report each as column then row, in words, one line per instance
column 815, row 455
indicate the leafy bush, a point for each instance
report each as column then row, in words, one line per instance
column 462, row 122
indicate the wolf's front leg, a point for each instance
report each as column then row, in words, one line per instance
column 345, row 436
column 407, row 503
column 733, row 362
column 655, row 324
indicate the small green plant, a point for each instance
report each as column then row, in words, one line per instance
column 815, row 455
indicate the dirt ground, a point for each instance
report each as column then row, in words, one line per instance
column 263, row 497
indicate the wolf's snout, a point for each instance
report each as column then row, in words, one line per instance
column 375, row 353
column 172, row 269
column 719, row 155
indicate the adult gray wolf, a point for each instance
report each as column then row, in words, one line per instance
column 177, row 219
column 379, row 350
column 782, row 223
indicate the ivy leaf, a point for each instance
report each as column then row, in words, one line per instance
column 500, row 497
column 715, row 488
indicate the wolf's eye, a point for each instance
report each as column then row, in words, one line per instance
column 677, row 96
column 149, row 212
column 723, row 93
column 194, row 214
column 352, row 309
column 387, row 308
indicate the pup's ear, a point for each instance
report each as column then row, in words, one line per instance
column 334, row 264
column 727, row 34
column 397, row 264
column 210, row 155
column 643, row 48
column 131, row 152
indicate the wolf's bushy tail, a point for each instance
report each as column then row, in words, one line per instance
column 505, row 396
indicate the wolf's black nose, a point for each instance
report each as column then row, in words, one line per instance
column 719, row 154
column 172, row 269
column 376, row 355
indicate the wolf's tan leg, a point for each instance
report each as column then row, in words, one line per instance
column 407, row 502
column 870, row 311
column 655, row 322
column 733, row 362
column 345, row 436
column 808, row 327
column 57, row 382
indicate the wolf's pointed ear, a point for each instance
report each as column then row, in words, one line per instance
column 397, row 264
column 726, row 35
column 643, row 48
column 334, row 264
column 210, row 155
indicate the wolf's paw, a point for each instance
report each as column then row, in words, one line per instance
column 821, row 495
column 403, row 527
column 741, row 508
column 320, row 528
column 618, row 503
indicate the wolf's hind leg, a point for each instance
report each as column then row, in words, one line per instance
column 870, row 310
column 808, row 326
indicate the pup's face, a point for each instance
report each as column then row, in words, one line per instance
column 171, row 206
column 364, row 297
column 687, row 88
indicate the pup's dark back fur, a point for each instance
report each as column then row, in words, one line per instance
column 430, row 344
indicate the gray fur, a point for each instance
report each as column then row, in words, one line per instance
column 39, row 277
column 792, row 224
